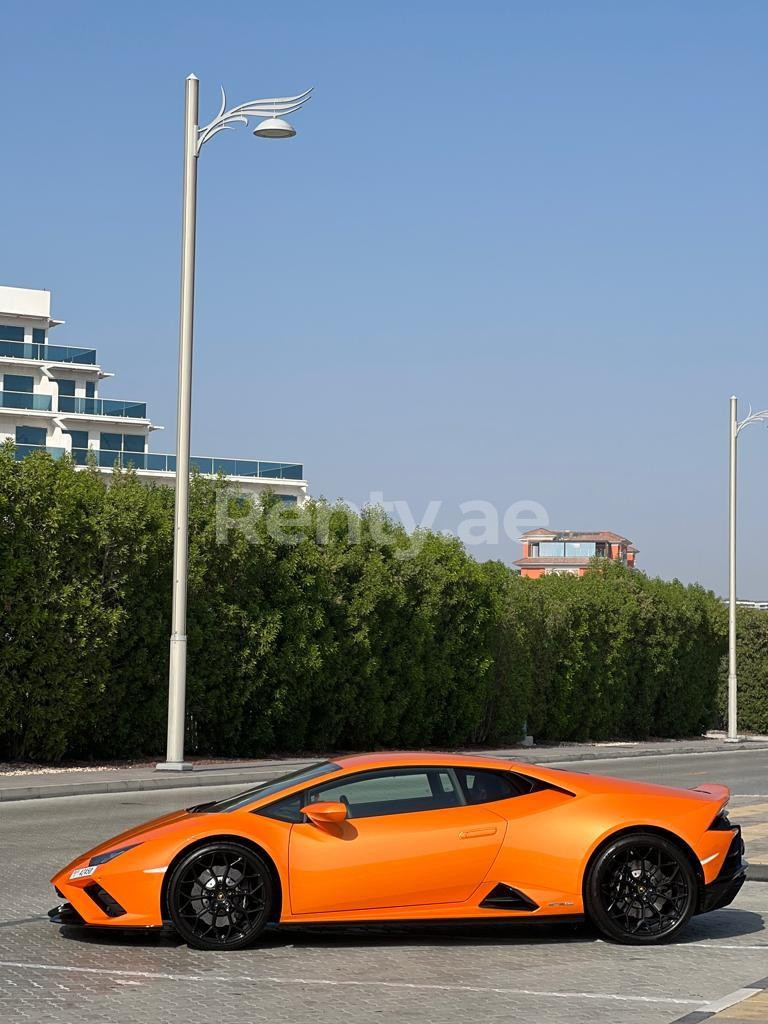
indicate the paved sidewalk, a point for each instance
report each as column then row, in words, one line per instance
column 47, row 783
column 744, row 1006
column 105, row 779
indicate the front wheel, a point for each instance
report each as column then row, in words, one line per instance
column 220, row 896
column 641, row 889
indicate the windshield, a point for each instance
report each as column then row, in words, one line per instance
column 234, row 803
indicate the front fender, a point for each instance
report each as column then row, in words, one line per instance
column 134, row 880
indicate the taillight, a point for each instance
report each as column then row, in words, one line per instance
column 722, row 823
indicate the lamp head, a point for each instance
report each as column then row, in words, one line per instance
column 274, row 128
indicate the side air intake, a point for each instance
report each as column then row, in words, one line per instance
column 104, row 901
column 504, row 897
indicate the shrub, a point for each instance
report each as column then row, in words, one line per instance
column 752, row 672
column 337, row 631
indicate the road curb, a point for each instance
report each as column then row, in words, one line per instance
column 713, row 1009
column 186, row 780
column 609, row 753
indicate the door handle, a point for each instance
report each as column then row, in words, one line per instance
column 475, row 833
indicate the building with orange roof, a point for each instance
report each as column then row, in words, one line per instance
column 571, row 551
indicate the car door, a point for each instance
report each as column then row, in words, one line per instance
column 410, row 838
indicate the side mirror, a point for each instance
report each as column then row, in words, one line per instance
column 325, row 812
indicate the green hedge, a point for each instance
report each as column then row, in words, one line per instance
column 350, row 636
column 751, row 672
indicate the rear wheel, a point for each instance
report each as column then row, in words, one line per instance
column 220, row 896
column 641, row 889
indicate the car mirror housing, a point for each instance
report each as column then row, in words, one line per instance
column 325, row 812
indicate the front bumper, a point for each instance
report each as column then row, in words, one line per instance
column 118, row 894
column 65, row 913
column 724, row 889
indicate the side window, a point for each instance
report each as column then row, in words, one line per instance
column 79, row 438
column 133, row 442
column 30, row 435
column 111, row 442
column 483, row 787
column 9, row 333
column 287, row 809
column 19, row 383
column 391, row 792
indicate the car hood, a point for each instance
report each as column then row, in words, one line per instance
column 148, row 830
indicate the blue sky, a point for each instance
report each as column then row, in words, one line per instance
column 516, row 251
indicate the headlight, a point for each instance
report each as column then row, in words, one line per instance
column 102, row 858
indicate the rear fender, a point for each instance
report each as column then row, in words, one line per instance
column 653, row 829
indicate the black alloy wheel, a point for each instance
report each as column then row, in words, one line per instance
column 642, row 889
column 220, row 896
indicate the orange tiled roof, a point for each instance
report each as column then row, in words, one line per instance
column 577, row 535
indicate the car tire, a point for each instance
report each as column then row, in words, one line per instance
column 220, row 896
column 641, row 889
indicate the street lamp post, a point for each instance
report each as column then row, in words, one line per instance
column 273, row 126
column 735, row 427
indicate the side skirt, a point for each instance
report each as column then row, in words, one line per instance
column 495, row 921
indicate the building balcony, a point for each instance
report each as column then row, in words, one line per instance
column 167, row 464
column 157, row 463
column 48, row 353
column 25, row 400
column 102, row 407
column 22, row 450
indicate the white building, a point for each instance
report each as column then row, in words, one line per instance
column 50, row 398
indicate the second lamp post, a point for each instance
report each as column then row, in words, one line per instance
column 735, row 427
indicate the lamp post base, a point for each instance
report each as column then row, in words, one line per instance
column 734, row 739
column 173, row 766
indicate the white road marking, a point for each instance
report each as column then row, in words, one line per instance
column 256, row 979
column 690, row 946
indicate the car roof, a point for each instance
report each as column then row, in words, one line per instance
column 393, row 758
column 575, row 782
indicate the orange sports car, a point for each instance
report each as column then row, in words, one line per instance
column 417, row 837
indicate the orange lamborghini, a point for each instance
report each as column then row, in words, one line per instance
column 416, row 837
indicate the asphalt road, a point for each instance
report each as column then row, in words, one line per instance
column 531, row 976
column 745, row 771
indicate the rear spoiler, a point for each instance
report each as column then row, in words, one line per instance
column 715, row 790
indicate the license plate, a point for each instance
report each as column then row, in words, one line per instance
column 82, row 873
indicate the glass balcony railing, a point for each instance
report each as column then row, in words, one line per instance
column 167, row 463
column 22, row 450
column 229, row 467
column 51, row 353
column 102, row 407
column 80, row 456
column 24, row 400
